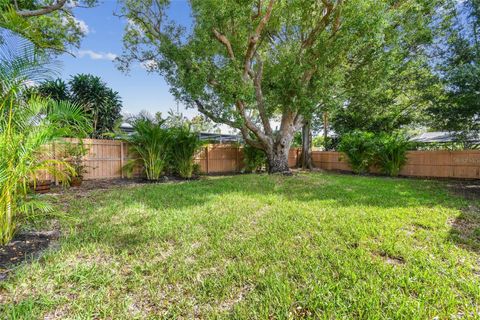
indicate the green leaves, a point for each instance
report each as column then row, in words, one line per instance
column 360, row 149
column 92, row 96
column 457, row 66
column 391, row 152
column 254, row 159
column 183, row 144
column 248, row 63
column 150, row 143
column 49, row 25
column 28, row 127
column 160, row 148
column 365, row 149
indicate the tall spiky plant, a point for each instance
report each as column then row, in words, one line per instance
column 28, row 125
column 150, row 144
column 183, row 145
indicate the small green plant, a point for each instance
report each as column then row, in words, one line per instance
column 391, row 153
column 360, row 149
column 183, row 143
column 150, row 144
column 254, row 159
column 75, row 153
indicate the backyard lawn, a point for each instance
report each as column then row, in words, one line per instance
column 255, row 246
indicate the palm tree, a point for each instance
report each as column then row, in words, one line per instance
column 149, row 142
column 28, row 125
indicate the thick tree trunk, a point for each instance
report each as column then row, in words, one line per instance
column 306, row 155
column 277, row 150
column 278, row 161
column 277, row 156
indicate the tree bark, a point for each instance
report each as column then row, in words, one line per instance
column 277, row 152
column 325, row 130
column 278, row 159
column 306, row 155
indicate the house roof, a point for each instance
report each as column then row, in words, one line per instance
column 442, row 137
column 204, row 136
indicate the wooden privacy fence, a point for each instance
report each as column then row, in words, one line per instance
column 437, row 164
column 220, row 158
column 106, row 158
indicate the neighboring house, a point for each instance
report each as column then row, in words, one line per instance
column 204, row 136
column 445, row 137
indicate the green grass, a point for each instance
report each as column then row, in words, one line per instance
column 259, row 247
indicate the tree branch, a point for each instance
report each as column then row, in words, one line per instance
column 224, row 40
column 214, row 117
column 43, row 10
column 243, row 129
column 253, row 40
column 259, row 10
column 257, row 82
column 322, row 24
column 338, row 13
column 250, row 125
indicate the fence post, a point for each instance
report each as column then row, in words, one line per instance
column 121, row 159
column 237, row 161
column 206, row 156
column 297, row 160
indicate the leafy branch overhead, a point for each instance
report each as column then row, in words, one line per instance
column 47, row 24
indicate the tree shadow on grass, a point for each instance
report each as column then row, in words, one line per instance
column 159, row 200
column 465, row 229
column 343, row 190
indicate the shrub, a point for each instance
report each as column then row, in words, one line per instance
column 391, row 153
column 75, row 155
column 150, row 141
column 360, row 149
column 183, row 143
column 254, row 159
column 25, row 133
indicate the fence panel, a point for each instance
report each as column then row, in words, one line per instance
column 106, row 158
column 220, row 158
column 435, row 164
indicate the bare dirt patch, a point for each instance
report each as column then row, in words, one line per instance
column 390, row 259
column 24, row 246
column 465, row 229
column 237, row 296
column 469, row 189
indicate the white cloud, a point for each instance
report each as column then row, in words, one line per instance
column 94, row 55
column 82, row 25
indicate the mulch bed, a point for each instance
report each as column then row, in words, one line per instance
column 24, row 246
column 105, row 184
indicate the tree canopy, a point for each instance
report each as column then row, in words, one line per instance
column 249, row 63
column 456, row 59
column 100, row 102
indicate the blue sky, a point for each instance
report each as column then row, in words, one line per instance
column 139, row 90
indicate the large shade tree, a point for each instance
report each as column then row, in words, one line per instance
column 251, row 63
